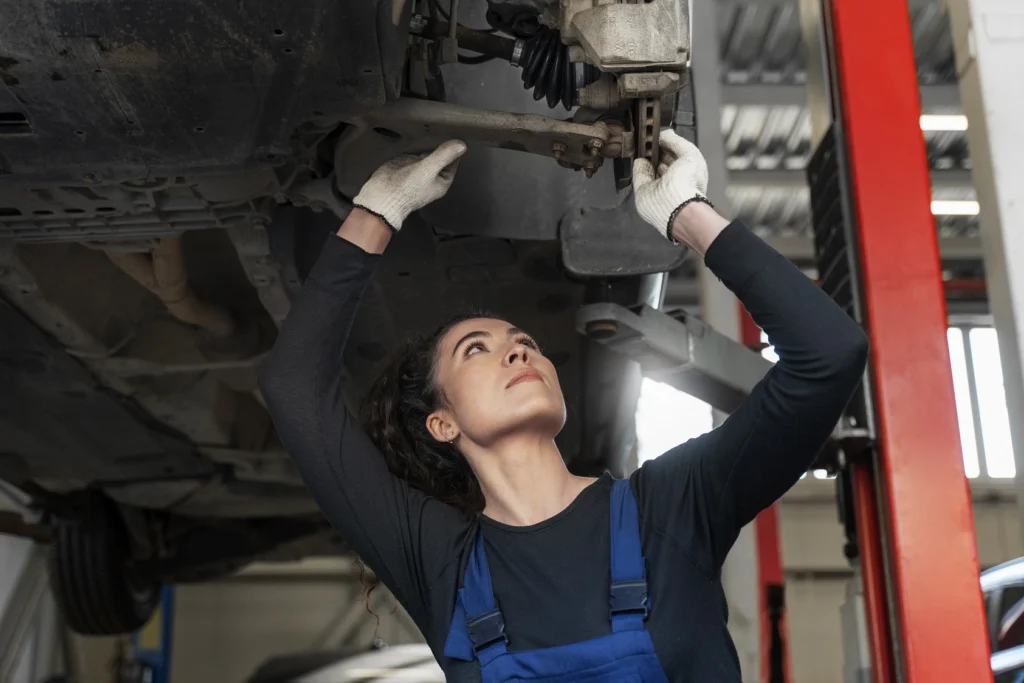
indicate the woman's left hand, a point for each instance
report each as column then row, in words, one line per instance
column 671, row 199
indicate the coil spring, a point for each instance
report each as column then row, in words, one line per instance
column 547, row 69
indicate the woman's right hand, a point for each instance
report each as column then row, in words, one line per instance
column 408, row 183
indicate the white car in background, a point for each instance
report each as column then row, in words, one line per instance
column 394, row 664
column 1003, row 587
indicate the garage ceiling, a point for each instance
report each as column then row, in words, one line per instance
column 766, row 126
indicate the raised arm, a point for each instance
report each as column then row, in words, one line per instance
column 726, row 477
column 402, row 534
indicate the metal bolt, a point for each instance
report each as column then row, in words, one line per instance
column 590, row 168
column 602, row 329
column 595, row 146
column 558, row 149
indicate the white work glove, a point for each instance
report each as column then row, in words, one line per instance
column 408, row 183
column 682, row 179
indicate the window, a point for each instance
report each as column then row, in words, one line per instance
column 768, row 352
column 964, row 410
column 993, row 415
column 666, row 417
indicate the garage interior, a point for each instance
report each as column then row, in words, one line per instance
column 759, row 77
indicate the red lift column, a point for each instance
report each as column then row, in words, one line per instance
column 925, row 536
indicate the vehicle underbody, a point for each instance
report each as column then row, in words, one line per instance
column 168, row 172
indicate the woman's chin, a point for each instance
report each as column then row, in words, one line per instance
column 540, row 412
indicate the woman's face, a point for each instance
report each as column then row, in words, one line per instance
column 496, row 382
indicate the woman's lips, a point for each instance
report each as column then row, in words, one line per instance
column 524, row 376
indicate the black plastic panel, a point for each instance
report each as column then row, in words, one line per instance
column 836, row 256
column 56, row 422
column 122, row 88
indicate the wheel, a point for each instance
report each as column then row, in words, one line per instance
column 91, row 578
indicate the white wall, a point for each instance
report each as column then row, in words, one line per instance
column 815, row 636
column 225, row 629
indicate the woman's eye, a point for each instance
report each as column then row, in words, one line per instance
column 526, row 341
column 471, row 349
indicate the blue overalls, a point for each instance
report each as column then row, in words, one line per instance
column 626, row 655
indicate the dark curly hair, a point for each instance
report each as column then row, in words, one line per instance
column 394, row 414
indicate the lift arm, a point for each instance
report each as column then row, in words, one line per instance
column 679, row 350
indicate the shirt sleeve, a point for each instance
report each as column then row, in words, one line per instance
column 723, row 479
column 406, row 537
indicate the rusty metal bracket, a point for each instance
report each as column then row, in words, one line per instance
column 423, row 122
column 648, row 129
column 123, row 367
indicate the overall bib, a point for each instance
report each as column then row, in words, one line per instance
column 626, row 655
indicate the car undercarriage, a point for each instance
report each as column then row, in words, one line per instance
column 168, row 172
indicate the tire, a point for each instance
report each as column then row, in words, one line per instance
column 89, row 573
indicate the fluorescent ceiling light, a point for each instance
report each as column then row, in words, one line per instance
column 955, row 208
column 943, row 122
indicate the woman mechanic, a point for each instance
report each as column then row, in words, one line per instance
column 452, row 488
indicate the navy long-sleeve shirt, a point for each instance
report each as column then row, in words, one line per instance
column 551, row 579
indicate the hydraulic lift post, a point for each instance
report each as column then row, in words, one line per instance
column 150, row 652
column 877, row 248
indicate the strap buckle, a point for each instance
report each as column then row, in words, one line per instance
column 630, row 597
column 487, row 629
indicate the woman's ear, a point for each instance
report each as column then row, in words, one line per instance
column 441, row 427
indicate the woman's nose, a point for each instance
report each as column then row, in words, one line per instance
column 517, row 353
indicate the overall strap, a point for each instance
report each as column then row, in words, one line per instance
column 484, row 623
column 629, row 603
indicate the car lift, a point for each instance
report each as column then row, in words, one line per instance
column 149, row 658
column 902, row 492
